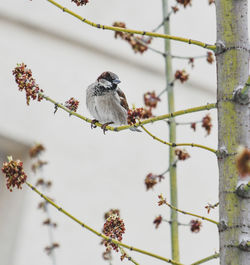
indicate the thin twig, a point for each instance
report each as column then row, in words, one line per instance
column 50, row 225
column 164, row 54
column 139, row 32
column 149, row 47
column 170, row 84
column 167, row 170
column 51, row 237
column 186, row 123
column 211, row 206
column 182, row 123
column 163, row 21
column 164, row 201
column 188, row 57
column 127, row 256
column 98, row 233
column 162, row 92
column 214, row 256
column 179, row 144
column 167, row 221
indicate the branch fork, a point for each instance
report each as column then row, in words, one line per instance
column 240, row 94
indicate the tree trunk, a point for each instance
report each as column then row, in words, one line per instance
column 234, row 127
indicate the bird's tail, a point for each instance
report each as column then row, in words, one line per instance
column 134, row 129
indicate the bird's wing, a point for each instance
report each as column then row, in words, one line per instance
column 123, row 100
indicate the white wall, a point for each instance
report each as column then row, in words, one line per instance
column 91, row 172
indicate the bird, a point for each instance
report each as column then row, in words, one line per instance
column 106, row 102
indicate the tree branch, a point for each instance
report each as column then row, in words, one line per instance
column 164, row 54
column 163, row 201
column 100, row 234
column 149, row 47
column 138, row 124
column 244, row 245
column 163, row 21
column 127, row 256
column 243, row 190
column 174, row 229
column 168, row 169
column 167, row 221
column 181, row 144
column 152, row 34
column 240, row 93
column 214, row 256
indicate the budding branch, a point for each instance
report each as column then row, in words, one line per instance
column 147, row 33
column 138, row 124
column 179, row 144
column 163, row 201
column 100, row 234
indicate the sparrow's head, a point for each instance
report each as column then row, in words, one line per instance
column 110, row 79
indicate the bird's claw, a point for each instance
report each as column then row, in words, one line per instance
column 105, row 125
column 93, row 123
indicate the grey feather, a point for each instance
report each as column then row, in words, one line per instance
column 106, row 102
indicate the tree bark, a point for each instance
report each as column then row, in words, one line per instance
column 234, row 127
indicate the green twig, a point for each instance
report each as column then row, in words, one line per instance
column 168, row 169
column 98, row 233
column 138, row 124
column 149, row 47
column 182, row 224
column 140, row 32
column 163, row 21
column 127, row 256
column 214, row 256
column 164, row 54
column 163, row 201
column 180, row 144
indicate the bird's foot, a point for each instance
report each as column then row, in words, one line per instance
column 93, row 123
column 105, row 125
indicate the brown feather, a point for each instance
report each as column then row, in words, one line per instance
column 123, row 99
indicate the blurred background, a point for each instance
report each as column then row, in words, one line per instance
column 92, row 172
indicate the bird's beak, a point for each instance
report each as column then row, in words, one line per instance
column 116, row 81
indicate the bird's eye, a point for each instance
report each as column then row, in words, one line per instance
column 108, row 77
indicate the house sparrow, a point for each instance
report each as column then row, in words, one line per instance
column 106, row 102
